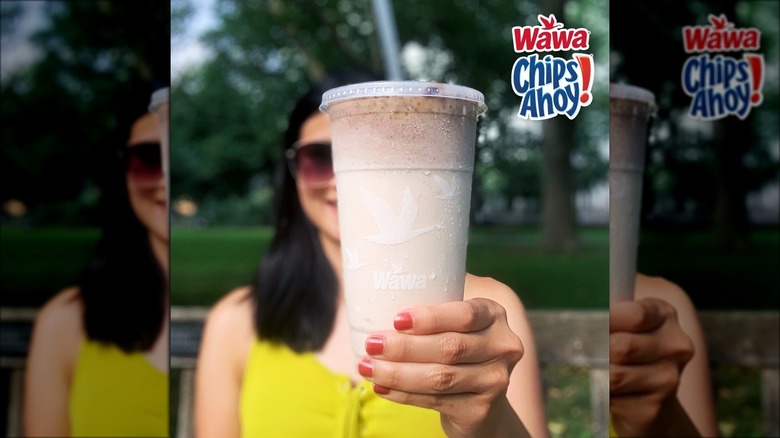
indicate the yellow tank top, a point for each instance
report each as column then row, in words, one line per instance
column 285, row 394
column 114, row 394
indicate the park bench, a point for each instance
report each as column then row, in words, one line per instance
column 569, row 338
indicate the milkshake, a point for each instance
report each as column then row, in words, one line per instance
column 630, row 109
column 403, row 155
column 160, row 106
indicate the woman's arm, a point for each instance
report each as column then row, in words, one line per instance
column 695, row 390
column 659, row 372
column 461, row 359
column 54, row 346
column 525, row 392
column 227, row 336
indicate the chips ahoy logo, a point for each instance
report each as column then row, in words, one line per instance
column 721, row 85
column 550, row 85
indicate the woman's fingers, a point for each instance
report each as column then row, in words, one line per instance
column 434, row 379
column 661, row 378
column 639, row 316
column 450, row 348
column 647, row 331
column 454, row 357
column 462, row 332
column 456, row 316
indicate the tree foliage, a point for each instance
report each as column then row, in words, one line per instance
column 230, row 111
column 698, row 172
column 65, row 115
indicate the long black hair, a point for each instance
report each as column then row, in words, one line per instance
column 295, row 288
column 123, row 289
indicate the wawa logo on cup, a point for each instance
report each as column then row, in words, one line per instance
column 722, row 85
column 551, row 85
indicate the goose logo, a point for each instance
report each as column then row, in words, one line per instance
column 353, row 259
column 447, row 190
column 394, row 228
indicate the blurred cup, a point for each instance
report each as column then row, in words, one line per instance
column 403, row 155
column 160, row 106
column 630, row 109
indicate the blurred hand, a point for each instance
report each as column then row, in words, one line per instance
column 647, row 354
column 455, row 358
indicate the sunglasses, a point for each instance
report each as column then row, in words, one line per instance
column 312, row 163
column 143, row 162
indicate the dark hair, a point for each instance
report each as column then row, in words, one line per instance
column 295, row 288
column 123, row 289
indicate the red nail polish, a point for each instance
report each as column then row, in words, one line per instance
column 375, row 345
column 379, row 389
column 402, row 321
column 365, row 367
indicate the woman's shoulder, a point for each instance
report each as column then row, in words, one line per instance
column 62, row 313
column 232, row 315
column 227, row 335
column 492, row 289
column 59, row 328
column 236, row 303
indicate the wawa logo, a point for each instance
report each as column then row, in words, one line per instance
column 550, row 85
column 397, row 228
column 721, row 85
column 549, row 37
column 721, row 36
column 384, row 280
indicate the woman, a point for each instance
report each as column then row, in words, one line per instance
column 660, row 382
column 276, row 360
column 98, row 360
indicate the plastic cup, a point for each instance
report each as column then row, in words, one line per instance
column 160, row 106
column 630, row 109
column 403, row 155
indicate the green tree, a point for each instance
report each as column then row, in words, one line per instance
column 64, row 116
column 707, row 172
column 229, row 112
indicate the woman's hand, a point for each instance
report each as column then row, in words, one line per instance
column 456, row 358
column 647, row 354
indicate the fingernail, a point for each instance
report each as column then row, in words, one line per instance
column 365, row 367
column 402, row 321
column 379, row 389
column 375, row 345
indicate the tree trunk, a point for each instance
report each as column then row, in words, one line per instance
column 559, row 231
column 733, row 138
column 558, row 228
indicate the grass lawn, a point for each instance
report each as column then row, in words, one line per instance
column 714, row 278
column 205, row 264
column 37, row 263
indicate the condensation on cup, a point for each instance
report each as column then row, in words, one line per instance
column 160, row 106
column 630, row 109
column 403, row 155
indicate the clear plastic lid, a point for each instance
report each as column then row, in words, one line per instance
column 405, row 89
column 631, row 92
column 159, row 97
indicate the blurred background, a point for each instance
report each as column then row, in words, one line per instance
column 238, row 67
column 711, row 200
column 73, row 77
column 711, row 194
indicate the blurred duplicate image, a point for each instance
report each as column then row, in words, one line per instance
column 693, row 331
column 84, row 219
